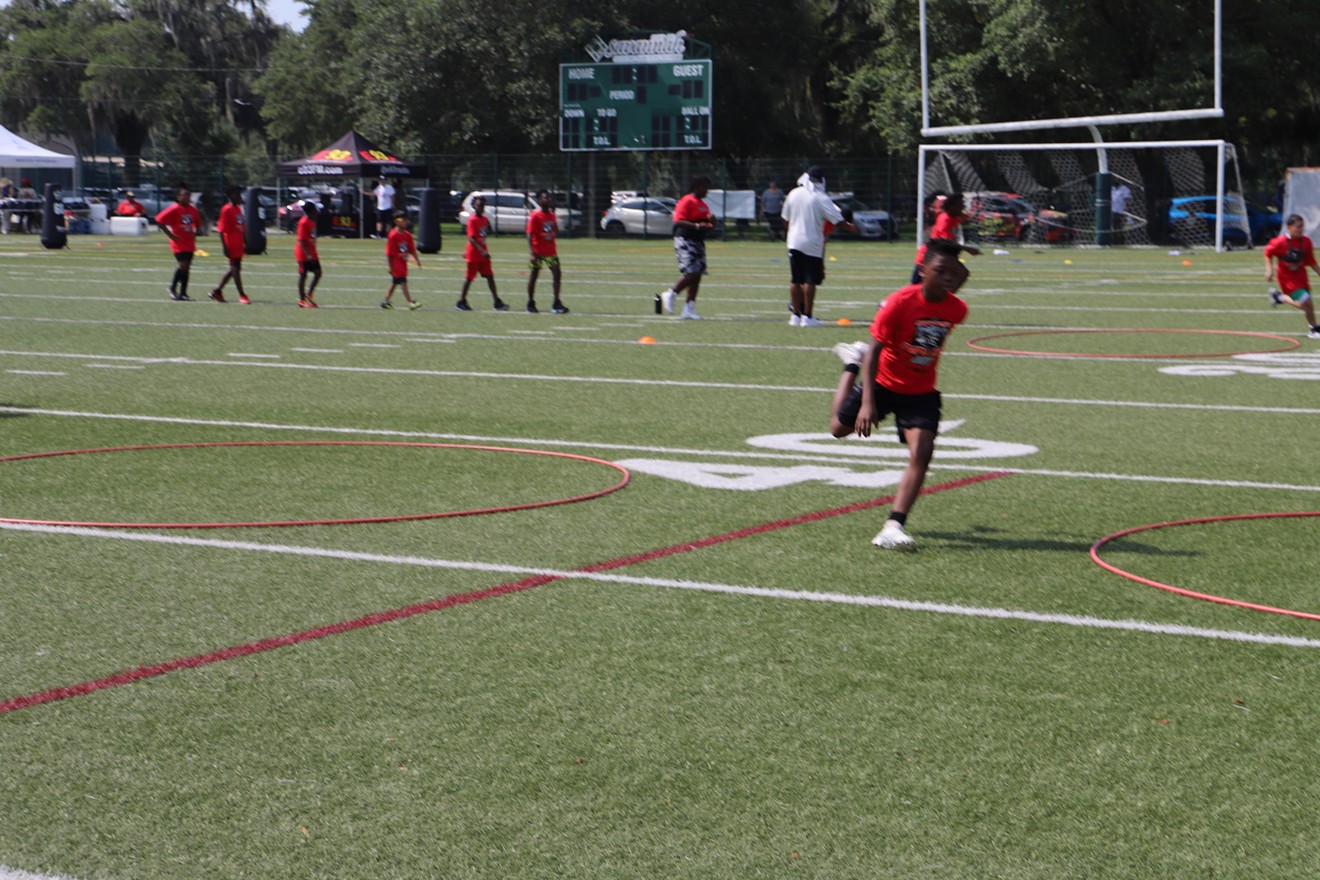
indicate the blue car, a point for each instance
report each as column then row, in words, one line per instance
column 1192, row 220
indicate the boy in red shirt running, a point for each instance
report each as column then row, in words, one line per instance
column 180, row 222
column 477, row 257
column 951, row 216
column 304, row 252
column 907, row 336
column 542, row 235
column 233, row 238
column 1294, row 252
column 399, row 244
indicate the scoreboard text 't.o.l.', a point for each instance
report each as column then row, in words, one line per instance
column 646, row 106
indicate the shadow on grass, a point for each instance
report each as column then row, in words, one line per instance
column 988, row 538
column 5, row 414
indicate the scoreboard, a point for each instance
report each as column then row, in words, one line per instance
column 645, row 106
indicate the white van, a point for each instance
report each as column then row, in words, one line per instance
column 508, row 212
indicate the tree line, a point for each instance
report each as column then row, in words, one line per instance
column 795, row 77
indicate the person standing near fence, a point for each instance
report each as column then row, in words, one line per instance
column 232, row 230
column 772, row 203
column 180, row 222
column 384, row 207
column 692, row 220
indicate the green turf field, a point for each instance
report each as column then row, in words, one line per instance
column 707, row 673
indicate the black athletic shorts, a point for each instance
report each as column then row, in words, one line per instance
column 313, row 266
column 910, row 410
column 183, row 256
column 805, row 269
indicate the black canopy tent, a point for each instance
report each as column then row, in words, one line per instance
column 352, row 156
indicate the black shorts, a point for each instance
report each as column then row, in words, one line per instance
column 910, row 410
column 805, row 269
column 313, row 266
column 183, row 256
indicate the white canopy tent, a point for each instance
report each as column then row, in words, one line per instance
column 15, row 152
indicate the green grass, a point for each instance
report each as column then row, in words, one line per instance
column 621, row 727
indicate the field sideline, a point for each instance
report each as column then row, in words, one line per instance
column 709, row 670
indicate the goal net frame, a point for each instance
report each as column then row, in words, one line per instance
column 1088, row 217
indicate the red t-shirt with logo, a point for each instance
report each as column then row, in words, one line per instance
column 230, row 226
column 305, row 247
column 183, row 221
column 399, row 245
column 543, row 229
column 1294, row 255
column 912, row 330
column 477, row 227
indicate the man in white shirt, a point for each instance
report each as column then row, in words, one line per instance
column 806, row 211
column 384, row 207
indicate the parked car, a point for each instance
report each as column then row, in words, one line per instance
column 1003, row 216
column 290, row 214
column 871, row 223
column 639, row 216
column 1192, row 219
column 508, row 212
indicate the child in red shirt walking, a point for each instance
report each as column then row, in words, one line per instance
column 399, row 244
column 907, row 336
column 180, row 222
column 1294, row 252
column 477, row 257
column 542, row 235
column 233, row 239
column 305, row 253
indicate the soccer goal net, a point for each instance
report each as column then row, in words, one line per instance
column 1185, row 193
column 1302, row 196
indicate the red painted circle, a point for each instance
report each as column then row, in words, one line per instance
column 1207, row 597
column 1289, row 345
column 623, row 481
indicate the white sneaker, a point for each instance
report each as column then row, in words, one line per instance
column 851, row 352
column 892, row 537
column 1313, row 333
column 1276, row 298
column 667, row 300
column 689, row 312
column 810, row 321
column 795, row 321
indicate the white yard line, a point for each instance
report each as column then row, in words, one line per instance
column 1074, row 620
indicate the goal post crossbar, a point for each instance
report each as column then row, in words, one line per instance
column 1072, row 122
column 1215, row 111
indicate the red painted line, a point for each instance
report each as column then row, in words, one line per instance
column 234, row 652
